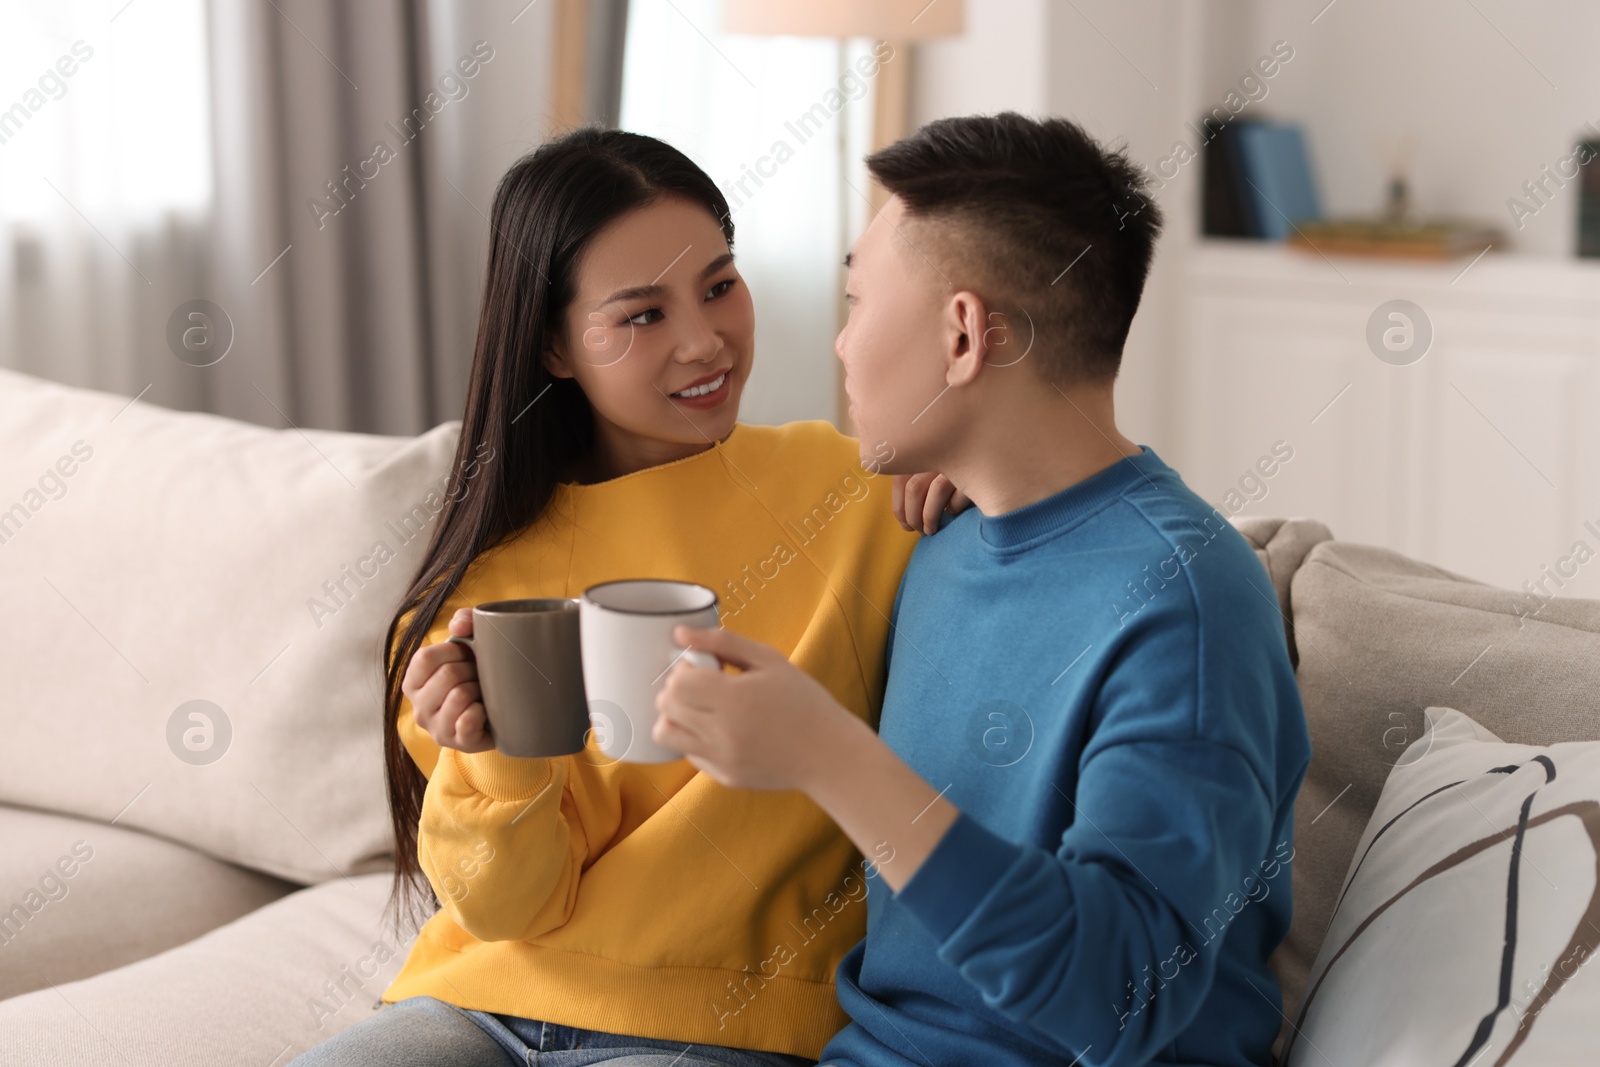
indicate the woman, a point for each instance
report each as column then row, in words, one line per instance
column 590, row 910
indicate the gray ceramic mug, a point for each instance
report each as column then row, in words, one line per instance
column 530, row 674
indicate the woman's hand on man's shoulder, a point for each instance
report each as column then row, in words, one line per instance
column 918, row 500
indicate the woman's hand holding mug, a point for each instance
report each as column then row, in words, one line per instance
column 442, row 684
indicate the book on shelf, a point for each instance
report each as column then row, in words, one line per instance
column 1589, row 202
column 1222, row 210
column 1258, row 183
column 1257, row 180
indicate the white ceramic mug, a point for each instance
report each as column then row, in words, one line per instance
column 627, row 650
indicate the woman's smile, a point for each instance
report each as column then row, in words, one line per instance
column 705, row 393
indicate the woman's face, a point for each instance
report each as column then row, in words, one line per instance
column 659, row 336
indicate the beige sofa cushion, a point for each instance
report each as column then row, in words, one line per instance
column 254, row 993
column 151, row 558
column 1381, row 638
column 79, row 897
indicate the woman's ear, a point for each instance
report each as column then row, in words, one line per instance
column 555, row 358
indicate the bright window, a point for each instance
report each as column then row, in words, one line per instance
column 107, row 102
column 770, row 119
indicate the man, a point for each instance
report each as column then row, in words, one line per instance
column 1081, row 796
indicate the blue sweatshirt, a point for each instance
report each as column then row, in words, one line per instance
column 1100, row 682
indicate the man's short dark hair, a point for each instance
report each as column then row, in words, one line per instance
column 1039, row 220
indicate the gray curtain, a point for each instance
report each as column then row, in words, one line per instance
column 355, row 150
column 357, row 147
column 608, row 33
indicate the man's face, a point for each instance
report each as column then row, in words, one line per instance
column 892, row 345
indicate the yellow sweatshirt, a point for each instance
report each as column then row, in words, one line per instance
column 646, row 899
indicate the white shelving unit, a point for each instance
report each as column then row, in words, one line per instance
column 1482, row 457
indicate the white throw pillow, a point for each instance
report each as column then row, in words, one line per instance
column 1470, row 911
column 152, row 558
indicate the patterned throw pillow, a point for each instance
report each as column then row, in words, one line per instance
column 1469, row 915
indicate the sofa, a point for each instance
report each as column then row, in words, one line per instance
column 191, row 793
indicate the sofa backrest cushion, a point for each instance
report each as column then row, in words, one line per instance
column 1381, row 637
column 194, row 615
column 1281, row 545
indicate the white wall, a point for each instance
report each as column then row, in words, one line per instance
column 1494, row 88
column 998, row 64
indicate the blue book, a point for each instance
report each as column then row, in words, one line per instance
column 1276, row 174
column 1225, row 211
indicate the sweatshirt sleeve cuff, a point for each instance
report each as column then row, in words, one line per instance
column 501, row 777
column 960, row 871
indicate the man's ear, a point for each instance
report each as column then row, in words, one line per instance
column 970, row 333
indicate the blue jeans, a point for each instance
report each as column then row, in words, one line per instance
column 426, row 1032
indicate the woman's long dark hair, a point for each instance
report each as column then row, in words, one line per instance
column 532, row 426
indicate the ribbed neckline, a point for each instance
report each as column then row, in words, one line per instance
column 698, row 457
column 1070, row 505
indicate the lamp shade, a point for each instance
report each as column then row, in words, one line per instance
column 884, row 20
